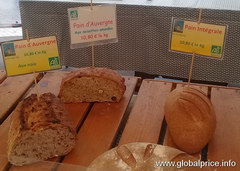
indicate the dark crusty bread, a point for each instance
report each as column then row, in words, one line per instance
column 39, row 130
column 190, row 118
column 92, row 84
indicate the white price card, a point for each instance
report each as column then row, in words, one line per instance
column 92, row 26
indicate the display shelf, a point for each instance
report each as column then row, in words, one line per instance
column 102, row 126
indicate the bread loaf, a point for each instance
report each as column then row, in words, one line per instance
column 39, row 130
column 143, row 157
column 190, row 118
column 92, row 84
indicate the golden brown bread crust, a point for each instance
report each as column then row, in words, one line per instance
column 191, row 119
column 142, row 157
column 97, row 75
column 39, row 130
column 51, row 111
column 95, row 72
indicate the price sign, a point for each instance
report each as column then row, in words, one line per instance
column 96, row 24
column 37, row 54
column 203, row 39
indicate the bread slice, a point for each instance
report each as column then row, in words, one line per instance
column 190, row 118
column 92, row 84
column 39, row 130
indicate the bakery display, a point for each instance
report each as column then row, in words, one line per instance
column 141, row 156
column 190, row 118
column 40, row 129
column 92, row 84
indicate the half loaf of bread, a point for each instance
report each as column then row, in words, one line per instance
column 92, row 84
column 190, row 118
column 39, row 130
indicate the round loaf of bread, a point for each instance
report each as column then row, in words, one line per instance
column 190, row 118
column 143, row 157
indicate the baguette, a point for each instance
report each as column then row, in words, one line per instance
column 39, row 130
column 92, row 84
column 190, row 118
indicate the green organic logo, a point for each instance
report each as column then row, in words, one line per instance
column 53, row 61
column 216, row 50
column 74, row 14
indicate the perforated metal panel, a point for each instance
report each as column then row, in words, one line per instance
column 143, row 32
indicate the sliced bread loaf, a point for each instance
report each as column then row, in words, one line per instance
column 39, row 130
column 92, row 84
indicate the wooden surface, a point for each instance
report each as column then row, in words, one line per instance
column 145, row 121
column 97, row 114
column 11, row 90
column 101, row 126
column 3, row 142
column 225, row 144
column 2, row 76
column 51, row 82
column 3, row 161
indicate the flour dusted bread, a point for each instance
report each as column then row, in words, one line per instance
column 141, row 157
column 190, row 118
column 39, row 130
column 92, row 84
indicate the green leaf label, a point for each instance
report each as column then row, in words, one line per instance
column 53, row 61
